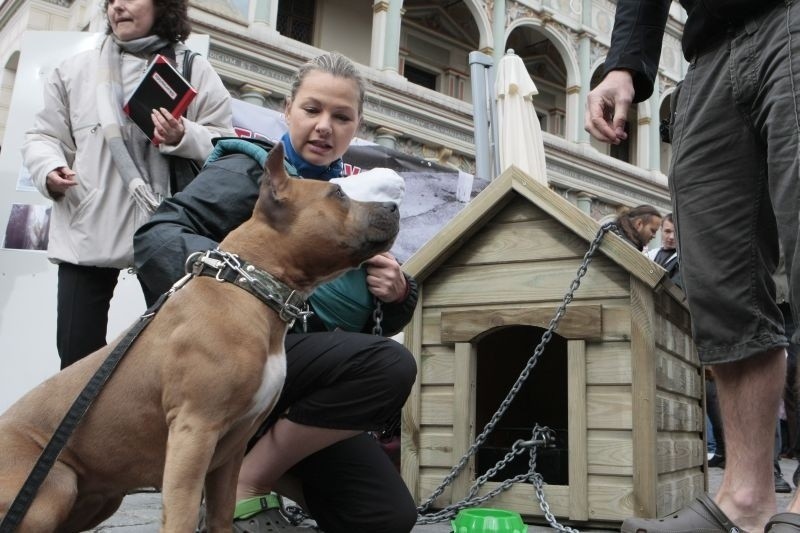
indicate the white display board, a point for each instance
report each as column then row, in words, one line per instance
column 27, row 279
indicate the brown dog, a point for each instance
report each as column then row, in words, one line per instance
column 199, row 380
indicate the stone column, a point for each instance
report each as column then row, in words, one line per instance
column 254, row 95
column 380, row 20
column 498, row 30
column 387, row 137
column 584, row 202
column 264, row 18
column 391, row 50
column 578, row 107
column 655, row 137
column 643, row 138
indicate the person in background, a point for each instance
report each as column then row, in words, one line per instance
column 667, row 255
column 343, row 380
column 735, row 188
column 102, row 173
column 638, row 226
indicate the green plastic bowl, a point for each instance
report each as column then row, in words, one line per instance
column 488, row 521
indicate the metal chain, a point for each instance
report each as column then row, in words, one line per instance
column 377, row 317
column 535, row 478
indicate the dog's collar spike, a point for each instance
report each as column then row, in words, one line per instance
column 223, row 266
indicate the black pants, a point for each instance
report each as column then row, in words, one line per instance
column 349, row 381
column 84, row 297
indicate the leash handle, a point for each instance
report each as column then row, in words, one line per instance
column 50, row 453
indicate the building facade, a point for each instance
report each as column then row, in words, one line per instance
column 414, row 56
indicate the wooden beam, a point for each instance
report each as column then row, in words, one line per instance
column 645, row 402
column 579, row 322
column 411, row 414
column 578, row 445
column 466, row 369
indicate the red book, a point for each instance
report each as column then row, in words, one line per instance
column 161, row 86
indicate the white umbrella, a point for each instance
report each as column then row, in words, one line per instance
column 520, row 141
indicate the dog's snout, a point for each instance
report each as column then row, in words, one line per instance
column 389, row 206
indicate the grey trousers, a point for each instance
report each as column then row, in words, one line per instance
column 735, row 184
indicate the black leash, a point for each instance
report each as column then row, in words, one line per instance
column 70, row 421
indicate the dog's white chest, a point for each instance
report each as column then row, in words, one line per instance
column 272, row 379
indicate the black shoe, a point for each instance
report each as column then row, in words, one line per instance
column 781, row 485
column 796, row 476
column 718, row 461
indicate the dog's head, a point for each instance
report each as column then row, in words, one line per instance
column 315, row 228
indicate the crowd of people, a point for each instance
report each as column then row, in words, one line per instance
column 734, row 188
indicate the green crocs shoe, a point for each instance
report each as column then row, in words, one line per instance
column 262, row 514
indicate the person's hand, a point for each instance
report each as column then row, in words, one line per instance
column 59, row 180
column 168, row 129
column 607, row 107
column 385, row 279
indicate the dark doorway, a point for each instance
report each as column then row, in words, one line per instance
column 542, row 400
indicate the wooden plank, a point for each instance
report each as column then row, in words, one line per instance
column 465, row 370
column 608, row 363
column 435, row 447
column 616, row 322
column 579, row 322
column 431, row 323
column 678, row 376
column 644, row 398
column 576, row 428
column 678, row 489
column 436, row 407
column 411, row 413
column 679, row 451
column 436, row 366
column 610, row 498
column 608, row 407
column 520, row 497
column 670, row 302
column 429, row 480
column 531, row 240
column 522, row 282
column 610, row 452
column 519, row 209
column 673, row 339
column 678, row 413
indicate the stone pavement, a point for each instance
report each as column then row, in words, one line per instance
column 140, row 513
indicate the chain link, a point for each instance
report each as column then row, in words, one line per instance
column 377, row 317
column 540, row 435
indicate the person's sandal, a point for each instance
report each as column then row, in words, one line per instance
column 262, row 514
column 701, row 515
column 783, row 523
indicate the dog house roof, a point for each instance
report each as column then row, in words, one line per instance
column 452, row 236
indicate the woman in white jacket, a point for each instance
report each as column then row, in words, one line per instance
column 104, row 175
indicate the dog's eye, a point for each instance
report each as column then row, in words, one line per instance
column 339, row 192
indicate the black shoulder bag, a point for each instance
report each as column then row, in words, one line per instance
column 181, row 170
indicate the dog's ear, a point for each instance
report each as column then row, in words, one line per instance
column 272, row 197
column 275, row 175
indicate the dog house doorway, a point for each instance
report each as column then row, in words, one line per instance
column 501, row 356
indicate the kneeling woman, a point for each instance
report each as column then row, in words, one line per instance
column 342, row 380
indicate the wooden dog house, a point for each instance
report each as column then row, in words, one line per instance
column 620, row 381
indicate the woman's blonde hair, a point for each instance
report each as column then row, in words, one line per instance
column 336, row 65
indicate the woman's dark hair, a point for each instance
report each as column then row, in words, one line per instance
column 171, row 20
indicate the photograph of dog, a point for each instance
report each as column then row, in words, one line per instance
column 204, row 374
